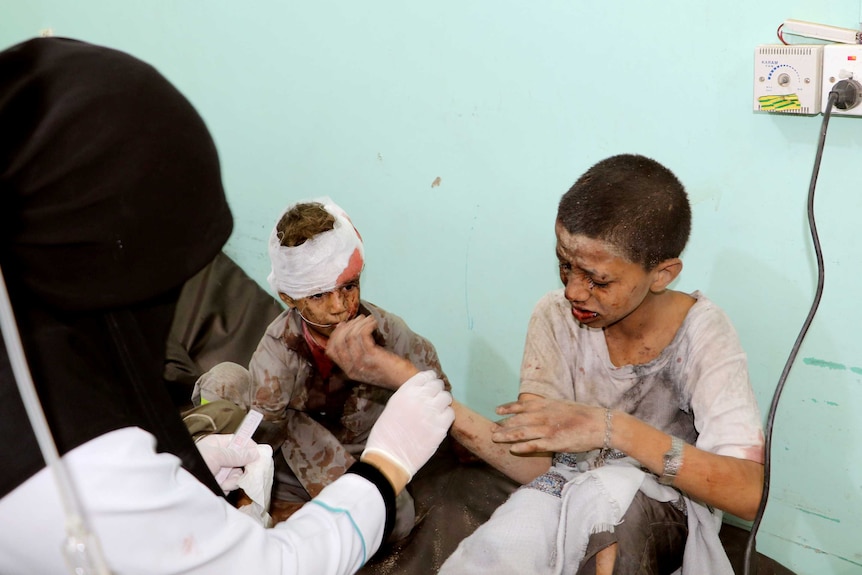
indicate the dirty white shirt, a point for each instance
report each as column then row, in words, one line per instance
column 158, row 519
column 697, row 389
column 699, row 383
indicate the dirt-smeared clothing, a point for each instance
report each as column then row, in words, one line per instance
column 697, row 389
column 320, row 417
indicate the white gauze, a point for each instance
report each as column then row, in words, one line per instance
column 315, row 266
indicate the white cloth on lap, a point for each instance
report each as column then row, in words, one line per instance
column 541, row 533
column 593, row 502
column 544, row 533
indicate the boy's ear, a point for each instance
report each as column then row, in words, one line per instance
column 665, row 272
column 289, row 301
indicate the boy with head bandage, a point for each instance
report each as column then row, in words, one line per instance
column 316, row 417
column 309, row 266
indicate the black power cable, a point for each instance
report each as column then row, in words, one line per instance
column 750, row 566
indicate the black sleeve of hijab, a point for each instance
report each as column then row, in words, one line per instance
column 379, row 480
column 161, row 417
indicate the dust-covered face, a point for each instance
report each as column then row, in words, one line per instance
column 322, row 264
column 603, row 287
column 322, row 312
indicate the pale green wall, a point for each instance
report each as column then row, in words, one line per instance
column 507, row 103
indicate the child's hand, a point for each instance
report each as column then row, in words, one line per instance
column 351, row 345
column 550, row 425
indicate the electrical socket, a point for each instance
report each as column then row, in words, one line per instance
column 841, row 62
column 822, row 32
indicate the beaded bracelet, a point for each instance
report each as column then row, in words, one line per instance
column 608, row 416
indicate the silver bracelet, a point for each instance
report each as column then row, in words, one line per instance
column 608, row 415
column 672, row 461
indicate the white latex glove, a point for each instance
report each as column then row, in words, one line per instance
column 414, row 422
column 217, row 453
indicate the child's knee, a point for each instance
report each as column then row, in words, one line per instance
column 226, row 380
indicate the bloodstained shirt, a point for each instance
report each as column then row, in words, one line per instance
column 326, row 418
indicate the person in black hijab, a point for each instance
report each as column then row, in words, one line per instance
column 110, row 199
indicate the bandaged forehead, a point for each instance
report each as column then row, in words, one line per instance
column 322, row 263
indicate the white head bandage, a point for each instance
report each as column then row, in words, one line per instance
column 318, row 265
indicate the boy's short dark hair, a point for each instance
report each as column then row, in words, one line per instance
column 633, row 203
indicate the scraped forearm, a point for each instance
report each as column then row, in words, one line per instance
column 473, row 431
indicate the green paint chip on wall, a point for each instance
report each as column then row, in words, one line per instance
column 813, row 361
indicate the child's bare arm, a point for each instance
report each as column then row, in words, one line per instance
column 352, row 347
column 473, row 431
column 538, row 425
column 729, row 483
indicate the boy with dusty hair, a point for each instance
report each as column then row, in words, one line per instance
column 316, row 416
column 637, row 395
column 636, row 422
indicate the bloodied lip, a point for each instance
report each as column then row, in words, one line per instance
column 584, row 316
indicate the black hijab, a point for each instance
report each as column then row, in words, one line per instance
column 110, row 199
